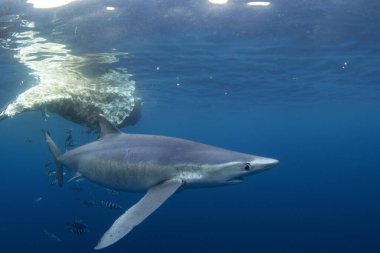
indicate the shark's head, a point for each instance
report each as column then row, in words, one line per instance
column 235, row 171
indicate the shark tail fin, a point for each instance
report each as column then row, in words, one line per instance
column 56, row 154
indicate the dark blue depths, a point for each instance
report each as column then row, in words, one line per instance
column 312, row 103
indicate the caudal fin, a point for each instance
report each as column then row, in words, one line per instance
column 56, row 154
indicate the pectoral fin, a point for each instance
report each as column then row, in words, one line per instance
column 154, row 198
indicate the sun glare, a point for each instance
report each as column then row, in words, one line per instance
column 258, row 3
column 110, row 8
column 46, row 4
column 218, row 1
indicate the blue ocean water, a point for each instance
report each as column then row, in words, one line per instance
column 297, row 81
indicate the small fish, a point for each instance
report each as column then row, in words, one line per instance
column 89, row 203
column 110, row 205
column 78, row 227
column 51, row 172
column 28, row 140
column 69, row 131
column 37, row 200
column 52, row 236
column 54, row 182
column 112, row 191
column 45, row 114
column 69, row 142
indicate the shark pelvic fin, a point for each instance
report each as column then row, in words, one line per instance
column 106, row 127
column 75, row 176
column 153, row 199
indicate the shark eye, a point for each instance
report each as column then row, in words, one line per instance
column 247, row 166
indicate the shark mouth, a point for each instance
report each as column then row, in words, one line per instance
column 236, row 180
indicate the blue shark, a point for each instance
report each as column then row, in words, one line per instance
column 157, row 165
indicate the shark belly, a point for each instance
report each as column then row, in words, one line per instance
column 120, row 174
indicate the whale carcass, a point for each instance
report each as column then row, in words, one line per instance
column 78, row 88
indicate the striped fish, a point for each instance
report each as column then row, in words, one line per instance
column 78, row 227
column 110, row 205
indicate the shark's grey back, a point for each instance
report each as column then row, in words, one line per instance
column 165, row 150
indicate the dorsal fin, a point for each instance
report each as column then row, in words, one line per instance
column 106, row 127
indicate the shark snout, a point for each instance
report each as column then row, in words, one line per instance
column 264, row 163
